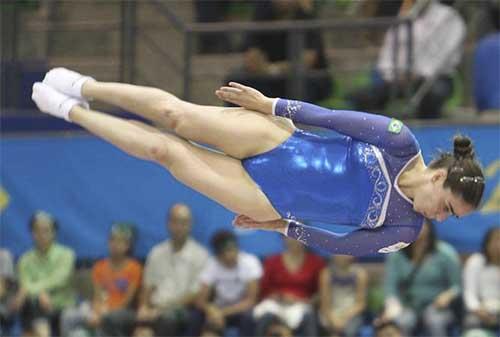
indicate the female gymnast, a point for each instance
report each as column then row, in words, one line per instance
column 366, row 172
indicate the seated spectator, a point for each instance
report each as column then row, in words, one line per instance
column 422, row 281
column 289, row 284
column 438, row 33
column 171, row 277
column 45, row 273
column 266, row 62
column 115, row 281
column 7, row 292
column 232, row 277
column 482, row 286
column 486, row 73
column 387, row 329
column 212, row 11
column 343, row 291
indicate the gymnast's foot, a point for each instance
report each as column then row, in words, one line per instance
column 54, row 103
column 67, row 81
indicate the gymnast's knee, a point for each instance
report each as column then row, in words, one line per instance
column 158, row 151
column 172, row 111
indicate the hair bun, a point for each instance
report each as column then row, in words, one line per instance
column 462, row 147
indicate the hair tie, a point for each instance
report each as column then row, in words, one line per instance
column 475, row 179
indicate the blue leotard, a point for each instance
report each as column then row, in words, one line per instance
column 345, row 177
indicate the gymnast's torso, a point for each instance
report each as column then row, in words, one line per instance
column 345, row 175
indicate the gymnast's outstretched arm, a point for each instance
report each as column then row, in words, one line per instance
column 378, row 130
column 360, row 242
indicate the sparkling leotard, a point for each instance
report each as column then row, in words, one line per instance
column 344, row 177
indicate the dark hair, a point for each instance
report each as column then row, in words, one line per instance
column 221, row 240
column 432, row 240
column 464, row 173
column 486, row 240
column 42, row 215
column 127, row 231
column 386, row 324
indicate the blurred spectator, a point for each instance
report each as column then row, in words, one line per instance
column 387, row 329
column 422, row 281
column 45, row 275
column 487, row 73
column 171, row 277
column 438, row 33
column 266, row 63
column 212, row 11
column 232, row 277
column 482, row 285
column 288, row 287
column 115, row 281
column 343, row 291
column 7, row 292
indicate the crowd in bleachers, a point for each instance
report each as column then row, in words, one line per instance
column 182, row 289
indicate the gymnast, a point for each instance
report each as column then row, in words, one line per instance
column 365, row 171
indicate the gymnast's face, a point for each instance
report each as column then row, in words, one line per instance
column 436, row 202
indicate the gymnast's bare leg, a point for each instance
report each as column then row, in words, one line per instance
column 237, row 132
column 217, row 176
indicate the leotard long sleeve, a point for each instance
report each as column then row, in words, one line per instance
column 396, row 224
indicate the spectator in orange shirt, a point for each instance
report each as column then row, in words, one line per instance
column 115, row 280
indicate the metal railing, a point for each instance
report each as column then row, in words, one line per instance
column 296, row 30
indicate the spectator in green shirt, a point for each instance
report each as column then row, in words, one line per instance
column 45, row 274
column 422, row 282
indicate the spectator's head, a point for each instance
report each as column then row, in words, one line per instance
column 293, row 246
column 387, row 329
column 342, row 261
column 491, row 246
column 455, row 184
column 121, row 240
column 425, row 243
column 43, row 227
column 179, row 223
column 225, row 248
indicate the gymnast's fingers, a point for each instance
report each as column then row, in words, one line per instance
column 229, row 89
column 227, row 96
column 239, row 86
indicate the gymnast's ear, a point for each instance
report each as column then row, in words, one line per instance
column 439, row 175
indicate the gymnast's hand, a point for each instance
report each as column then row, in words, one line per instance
column 243, row 221
column 246, row 97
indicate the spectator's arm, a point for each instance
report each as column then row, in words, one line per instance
column 58, row 278
column 246, row 302
column 361, row 293
column 203, row 297
column 471, row 272
column 451, row 267
column 133, row 288
column 325, row 294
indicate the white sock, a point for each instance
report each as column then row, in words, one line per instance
column 54, row 103
column 67, row 81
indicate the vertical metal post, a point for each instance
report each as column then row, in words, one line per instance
column 409, row 57
column 186, row 71
column 295, row 50
column 395, row 63
column 127, row 57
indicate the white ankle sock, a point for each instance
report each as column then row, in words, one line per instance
column 67, row 81
column 54, row 103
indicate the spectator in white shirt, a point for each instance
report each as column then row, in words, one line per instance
column 232, row 276
column 438, row 34
column 482, row 285
column 171, row 277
